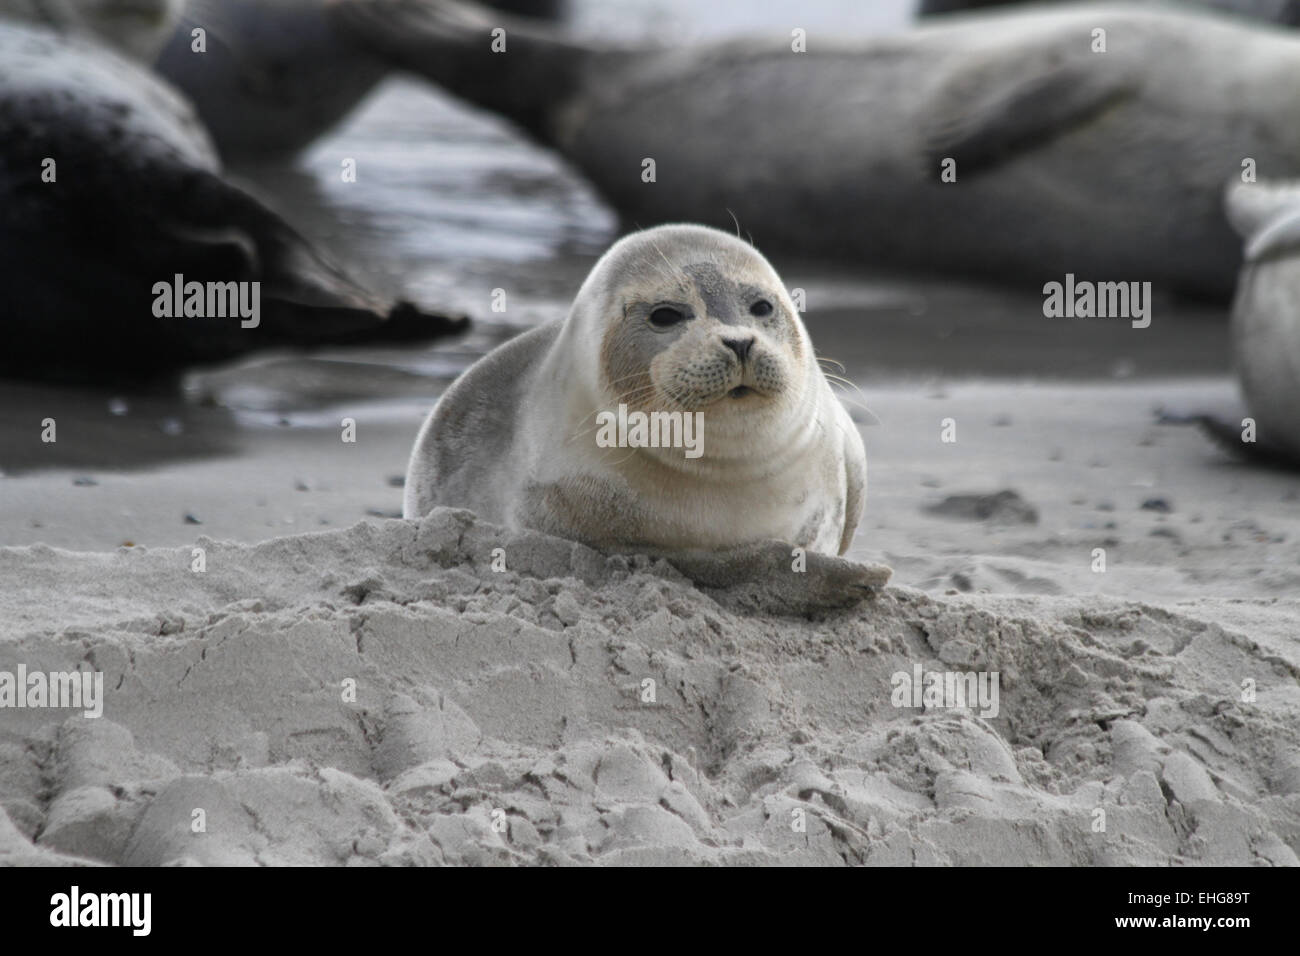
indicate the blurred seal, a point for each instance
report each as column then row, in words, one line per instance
column 690, row 330
column 136, row 28
column 125, row 248
column 275, row 74
column 1285, row 12
column 998, row 145
column 1266, row 315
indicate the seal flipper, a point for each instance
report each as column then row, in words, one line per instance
column 96, row 304
column 1223, row 425
column 310, row 299
column 1266, row 214
column 759, row 577
column 1227, row 435
column 855, row 499
column 983, row 114
column 451, row 44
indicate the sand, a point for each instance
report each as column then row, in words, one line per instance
column 376, row 693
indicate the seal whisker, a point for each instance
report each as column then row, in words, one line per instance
column 625, row 398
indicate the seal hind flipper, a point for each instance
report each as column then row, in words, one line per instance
column 290, row 269
column 320, row 302
column 1280, row 235
column 1266, row 214
column 983, row 114
column 450, row 44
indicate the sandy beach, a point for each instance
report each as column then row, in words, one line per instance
column 499, row 717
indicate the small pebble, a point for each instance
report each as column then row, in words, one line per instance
column 190, row 519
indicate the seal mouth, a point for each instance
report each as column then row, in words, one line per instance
column 740, row 391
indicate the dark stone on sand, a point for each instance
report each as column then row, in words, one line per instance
column 1157, row 504
column 1003, row 507
column 191, row 519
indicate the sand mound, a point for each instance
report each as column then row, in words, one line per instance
column 383, row 695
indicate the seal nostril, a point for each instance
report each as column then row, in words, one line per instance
column 739, row 346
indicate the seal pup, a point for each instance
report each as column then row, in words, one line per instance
column 1284, row 12
column 109, row 189
column 1266, row 318
column 679, row 320
column 136, row 28
column 1066, row 161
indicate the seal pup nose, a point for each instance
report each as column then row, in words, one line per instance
column 740, row 346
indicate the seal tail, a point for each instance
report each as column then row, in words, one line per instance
column 311, row 300
column 519, row 67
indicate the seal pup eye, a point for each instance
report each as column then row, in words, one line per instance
column 761, row 308
column 665, row 317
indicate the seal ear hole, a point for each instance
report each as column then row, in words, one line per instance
column 762, row 308
column 665, row 317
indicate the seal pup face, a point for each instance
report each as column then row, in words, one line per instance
column 689, row 319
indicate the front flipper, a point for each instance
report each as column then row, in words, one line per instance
column 763, row 577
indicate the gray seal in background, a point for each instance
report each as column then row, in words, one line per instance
column 1106, row 165
column 135, row 28
column 109, row 186
column 276, row 74
column 1284, row 12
